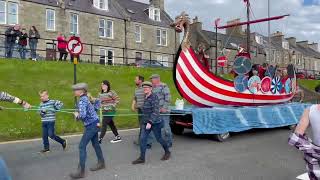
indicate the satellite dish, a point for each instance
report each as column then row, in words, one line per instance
column 241, row 83
column 242, row 65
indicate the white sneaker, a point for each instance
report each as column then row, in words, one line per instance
column 116, row 139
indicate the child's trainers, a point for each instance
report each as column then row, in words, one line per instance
column 64, row 145
column 116, row 139
column 45, row 151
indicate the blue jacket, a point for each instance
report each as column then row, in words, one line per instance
column 151, row 110
column 87, row 112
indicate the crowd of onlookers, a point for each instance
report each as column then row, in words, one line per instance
column 18, row 39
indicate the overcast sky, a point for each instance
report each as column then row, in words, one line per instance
column 303, row 22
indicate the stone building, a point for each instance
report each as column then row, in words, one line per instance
column 114, row 31
column 281, row 51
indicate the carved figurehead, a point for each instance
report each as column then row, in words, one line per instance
column 182, row 23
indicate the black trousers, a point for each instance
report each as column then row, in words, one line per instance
column 63, row 54
column 108, row 120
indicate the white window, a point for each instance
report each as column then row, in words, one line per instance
column 154, row 14
column 12, row 13
column 259, row 39
column 285, row 45
column 102, row 28
column 101, row 4
column 138, row 33
column 3, row 7
column 162, row 37
column 164, row 60
column 50, row 19
column 74, row 24
column 106, row 56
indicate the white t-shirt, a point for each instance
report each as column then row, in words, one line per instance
column 314, row 116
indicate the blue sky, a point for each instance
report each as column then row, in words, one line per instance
column 303, row 22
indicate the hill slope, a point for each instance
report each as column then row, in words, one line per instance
column 25, row 78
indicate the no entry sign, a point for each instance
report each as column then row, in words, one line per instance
column 75, row 46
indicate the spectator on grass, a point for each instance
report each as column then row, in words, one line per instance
column 62, row 47
column 12, row 33
column 33, row 42
column 23, row 41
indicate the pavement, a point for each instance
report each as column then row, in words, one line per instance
column 251, row 155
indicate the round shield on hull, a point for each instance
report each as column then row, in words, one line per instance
column 266, row 84
column 241, row 83
column 242, row 65
column 254, row 84
column 287, row 86
column 276, row 85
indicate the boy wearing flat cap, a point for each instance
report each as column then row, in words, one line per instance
column 87, row 114
column 151, row 122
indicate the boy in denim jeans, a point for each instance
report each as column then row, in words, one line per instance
column 48, row 109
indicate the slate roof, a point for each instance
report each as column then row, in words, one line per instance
column 117, row 9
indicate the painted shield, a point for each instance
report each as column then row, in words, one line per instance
column 287, row 86
column 241, row 83
column 276, row 85
column 242, row 65
column 254, row 84
column 266, row 84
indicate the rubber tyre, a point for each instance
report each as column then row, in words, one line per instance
column 222, row 137
column 177, row 129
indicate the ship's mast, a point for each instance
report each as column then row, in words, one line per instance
column 269, row 33
column 248, row 26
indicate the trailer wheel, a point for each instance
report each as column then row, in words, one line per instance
column 177, row 129
column 222, row 137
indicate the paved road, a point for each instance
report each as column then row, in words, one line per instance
column 254, row 155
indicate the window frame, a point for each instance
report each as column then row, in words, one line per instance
column 71, row 23
column 54, row 19
column 153, row 14
column 5, row 12
column 106, row 57
column 138, row 40
column 111, row 31
column 160, row 43
column 104, row 28
column 8, row 13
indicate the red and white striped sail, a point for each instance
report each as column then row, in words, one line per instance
column 202, row 88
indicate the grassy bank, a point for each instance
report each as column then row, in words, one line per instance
column 25, row 78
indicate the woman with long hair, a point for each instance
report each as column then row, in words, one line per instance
column 33, row 42
column 109, row 100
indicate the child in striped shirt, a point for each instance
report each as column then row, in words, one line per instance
column 48, row 109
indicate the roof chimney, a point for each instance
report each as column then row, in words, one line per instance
column 292, row 40
column 303, row 44
column 236, row 30
column 196, row 24
column 277, row 37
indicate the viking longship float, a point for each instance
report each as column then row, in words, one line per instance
column 200, row 87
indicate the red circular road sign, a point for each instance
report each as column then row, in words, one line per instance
column 75, row 47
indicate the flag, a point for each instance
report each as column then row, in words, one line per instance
column 216, row 22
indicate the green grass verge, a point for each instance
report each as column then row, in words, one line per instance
column 25, row 78
column 309, row 84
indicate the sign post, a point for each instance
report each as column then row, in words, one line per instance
column 75, row 48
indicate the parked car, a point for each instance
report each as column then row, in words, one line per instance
column 300, row 75
column 149, row 63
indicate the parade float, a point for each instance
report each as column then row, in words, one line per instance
column 220, row 106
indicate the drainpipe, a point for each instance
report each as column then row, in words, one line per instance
column 125, row 42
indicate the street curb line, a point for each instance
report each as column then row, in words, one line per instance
column 66, row 136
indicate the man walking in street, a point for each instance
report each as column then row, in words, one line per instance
column 151, row 122
column 163, row 93
column 137, row 104
column 87, row 114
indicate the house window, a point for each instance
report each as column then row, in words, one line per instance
column 106, row 56
column 161, row 37
column 138, row 33
column 154, row 14
column 138, row 56
column 3, row 12
column 101, row 4
column 50, row 18
column 74, row 24
column 12, row 13
column 259, row 39
column 285, row 45
column 105, row 28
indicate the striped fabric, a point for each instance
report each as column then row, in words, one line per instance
column 48, row 110
column 109, row 101
column 139, row 96
column 6, row 97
